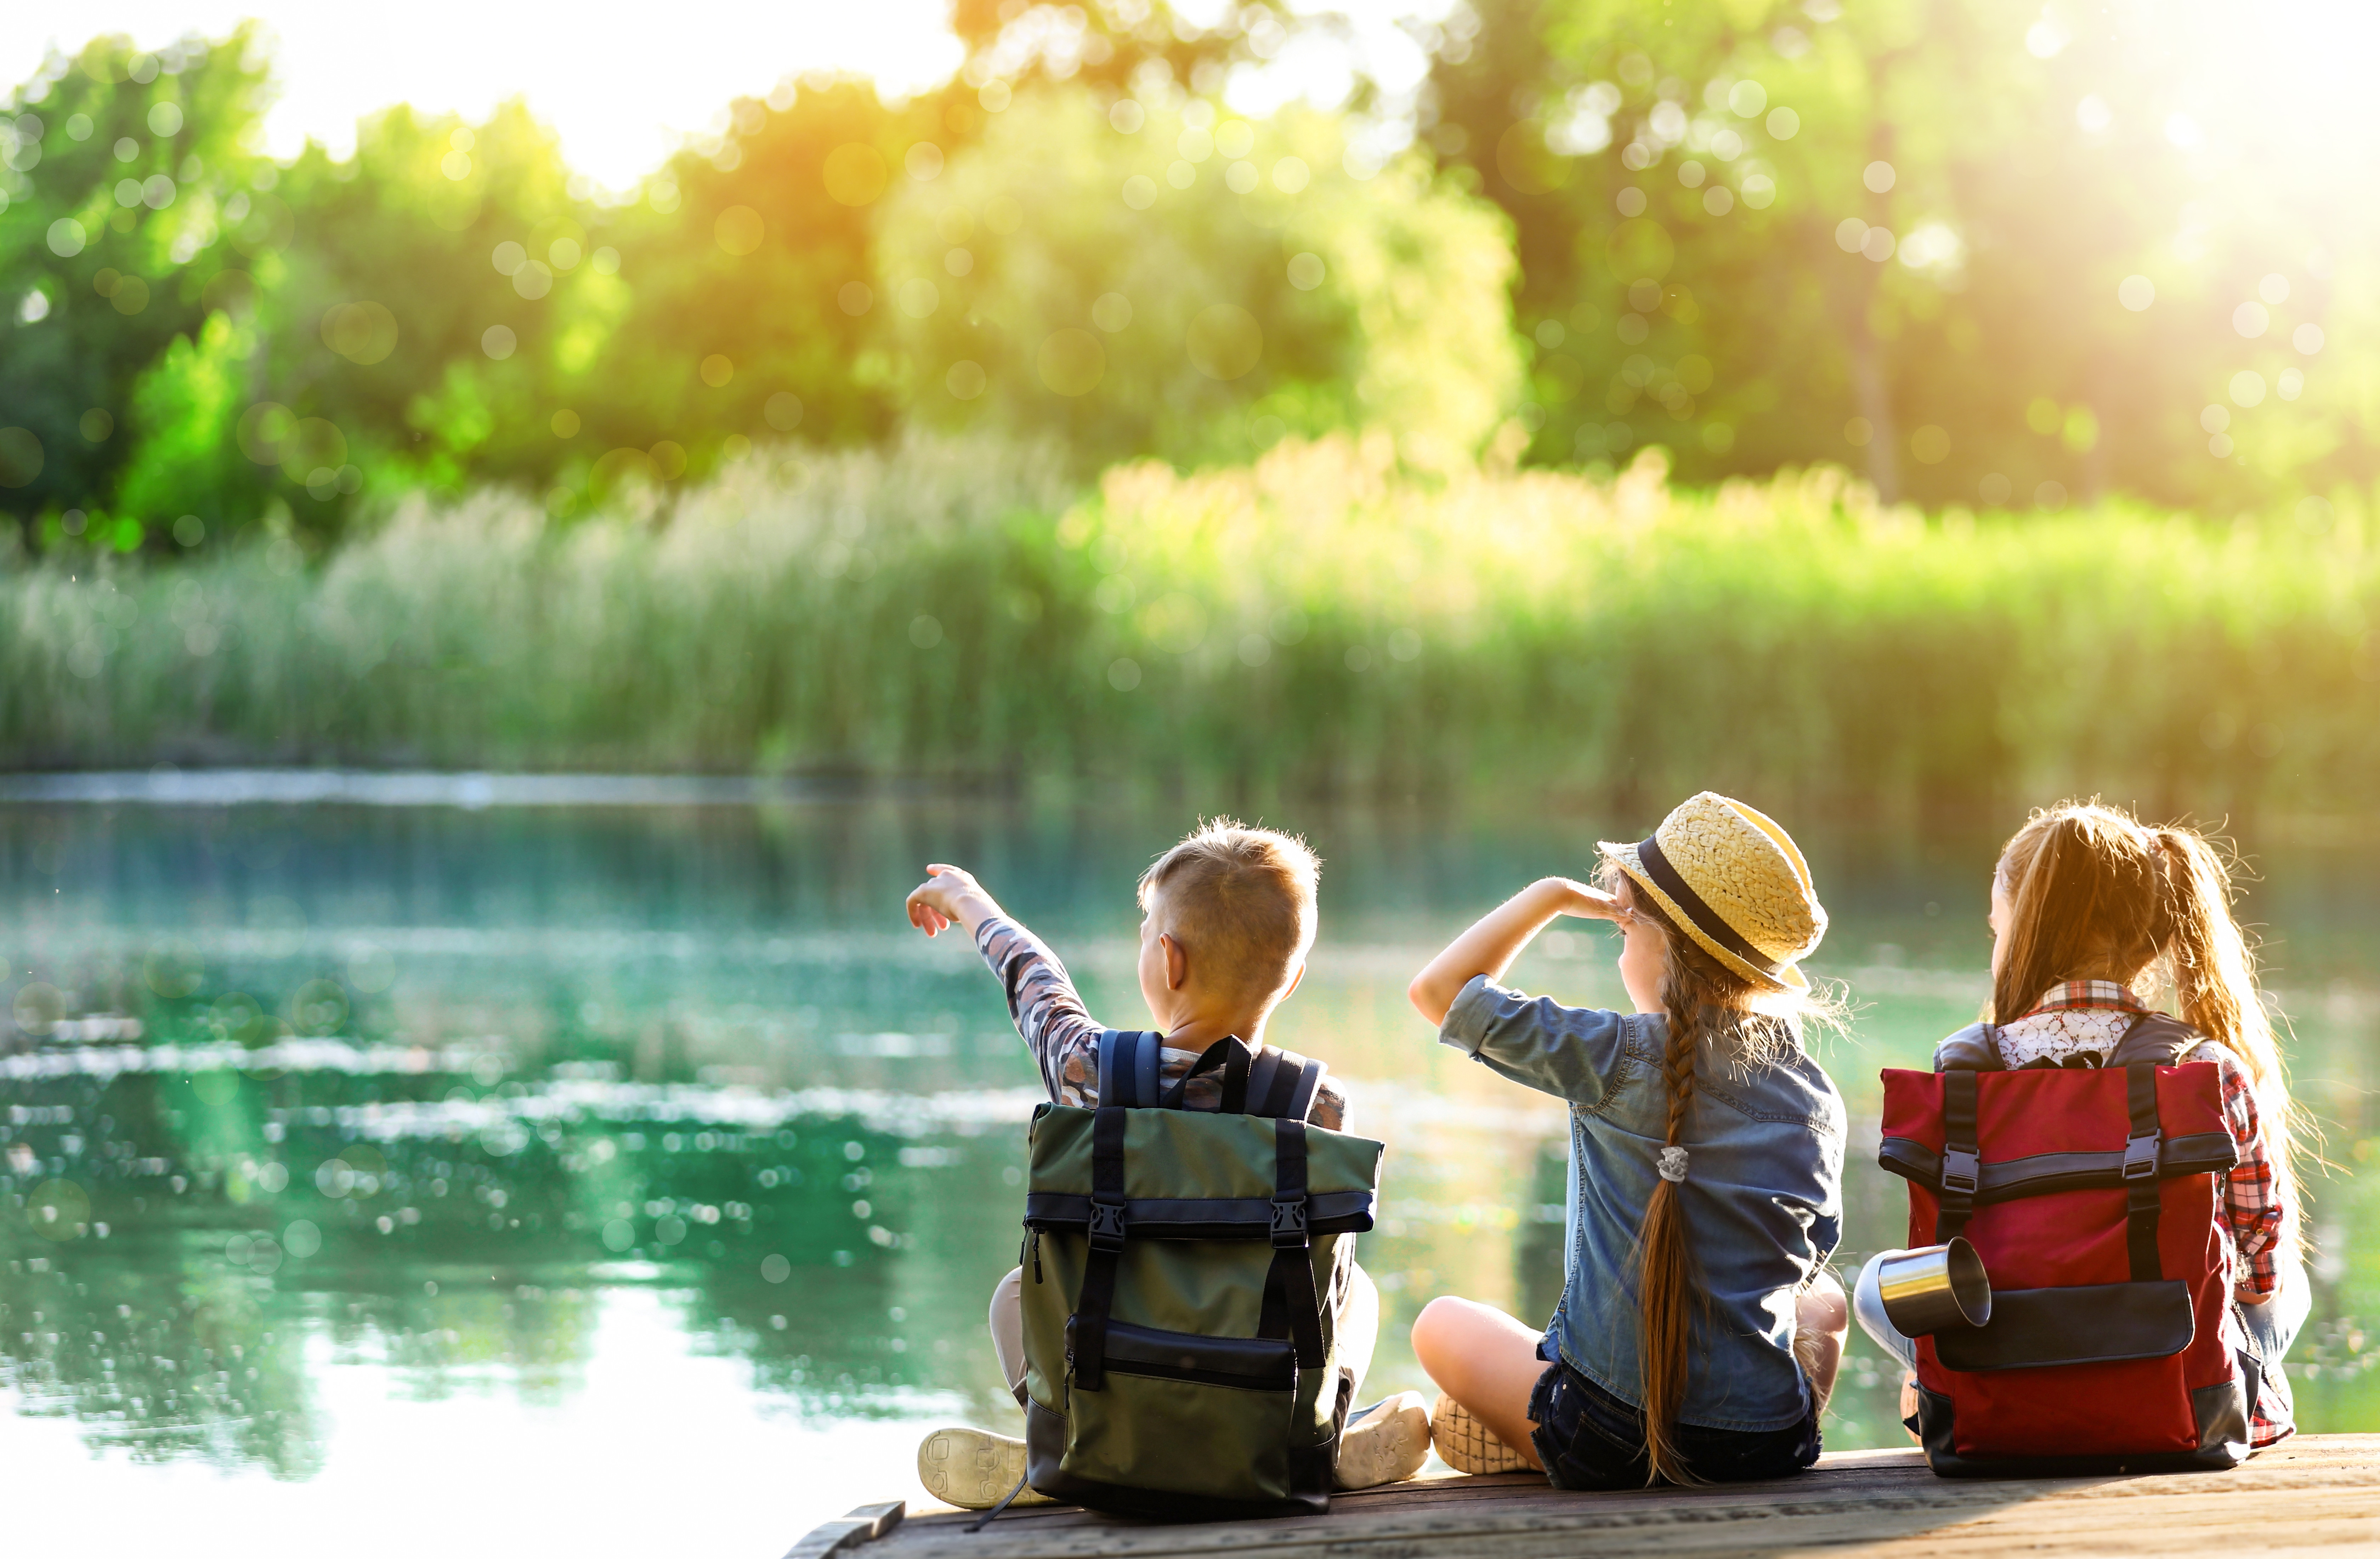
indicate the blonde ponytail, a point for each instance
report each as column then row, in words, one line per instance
column 2214, row 975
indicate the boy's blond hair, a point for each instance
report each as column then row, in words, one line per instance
column 1241, row 899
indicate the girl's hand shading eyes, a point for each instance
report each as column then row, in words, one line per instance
column 1592, row 903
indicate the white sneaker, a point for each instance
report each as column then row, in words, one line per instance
column 1385, row 1443
column 1469, row 1446
column 974, row 1468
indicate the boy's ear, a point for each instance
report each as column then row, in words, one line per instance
column 1177, row 962
column 1294, row 980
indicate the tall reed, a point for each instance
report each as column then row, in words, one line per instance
column 1317, row 621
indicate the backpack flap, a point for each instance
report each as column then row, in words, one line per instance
column 2044, row 1132
column 1190, row 1175
column 2096, row 1323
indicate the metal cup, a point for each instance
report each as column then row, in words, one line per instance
column 1934, row 1289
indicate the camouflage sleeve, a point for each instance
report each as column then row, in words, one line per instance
column 1329, row 1106
column 1049, row 1013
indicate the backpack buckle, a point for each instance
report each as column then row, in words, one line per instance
column 1289, row 1222
column 1106, row 1226
column 1961, row 1172
column 2140, row 1158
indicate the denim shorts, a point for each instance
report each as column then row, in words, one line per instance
column 1590, row 1439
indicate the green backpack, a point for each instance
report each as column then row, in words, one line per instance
column 1183, row 1281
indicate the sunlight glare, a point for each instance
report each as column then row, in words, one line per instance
column 620, row 100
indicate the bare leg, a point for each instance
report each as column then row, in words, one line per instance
column 1359, row 1326
column 1822, row 1318
column 1486, row 1360
column 1008, row 1327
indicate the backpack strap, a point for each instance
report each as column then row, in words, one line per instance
column 1128, row 1061
column 1962, row 1163
column 1309, row 1085
column 1146, row 1059
column 2143, row 1196
column 1233, row 1056
column 1283, row 1084
column 1262, row 1073
column 1111, row 1045
column 1972, row 1048
column 1088, row 1334
column 1291, row 1307
column 2155, row 1038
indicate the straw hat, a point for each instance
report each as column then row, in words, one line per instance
column 1732, row 879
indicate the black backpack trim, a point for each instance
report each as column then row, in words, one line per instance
column 1203, row 1217
column 2201, row 1153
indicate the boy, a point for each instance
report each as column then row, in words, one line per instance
column 1227, row 921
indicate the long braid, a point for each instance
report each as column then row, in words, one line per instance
column 1666, row 1276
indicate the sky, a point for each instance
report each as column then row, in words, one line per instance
column 621, row 83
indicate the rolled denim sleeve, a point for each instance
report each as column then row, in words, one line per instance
column 1573, row 1053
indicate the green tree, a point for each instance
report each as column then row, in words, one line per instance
column 1900, row 234
column 750, row 275
column 124, row 171
column 1155, row 278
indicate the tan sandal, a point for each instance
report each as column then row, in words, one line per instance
column 974, row 1468
column 1385, row 1442
column 1468, row 1445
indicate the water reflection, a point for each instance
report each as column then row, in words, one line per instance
column 184, row 1215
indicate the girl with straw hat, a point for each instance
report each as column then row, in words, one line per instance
column 1698, row 1331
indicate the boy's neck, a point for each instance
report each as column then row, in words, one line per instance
column 1197, row 1030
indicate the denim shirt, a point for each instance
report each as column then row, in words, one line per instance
column 1763, row 1193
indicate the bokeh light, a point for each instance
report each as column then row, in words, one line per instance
column 1224, row 340
column 856, row 173
column 1071, row 361
column 740, row 230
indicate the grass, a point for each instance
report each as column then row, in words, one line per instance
column 1318, row 622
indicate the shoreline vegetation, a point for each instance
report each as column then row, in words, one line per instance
column 1322, row 621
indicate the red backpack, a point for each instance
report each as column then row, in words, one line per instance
column 2091, row 1193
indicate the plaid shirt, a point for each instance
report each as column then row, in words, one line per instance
column 2092, row 1015
column 1064, row 1038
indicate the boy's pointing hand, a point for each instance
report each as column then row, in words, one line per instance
column 948, row 895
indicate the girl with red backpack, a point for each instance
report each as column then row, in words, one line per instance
column 2091, row 911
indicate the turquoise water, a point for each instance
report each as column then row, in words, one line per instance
column 630, row 1174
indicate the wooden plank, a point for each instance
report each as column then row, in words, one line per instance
column 865, row 1524
column 2317, row 1496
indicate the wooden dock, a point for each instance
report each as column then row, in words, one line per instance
column 2318, row 1494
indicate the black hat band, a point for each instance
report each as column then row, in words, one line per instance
column 1706, row 920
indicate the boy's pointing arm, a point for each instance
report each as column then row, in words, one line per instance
column 1042, row 1001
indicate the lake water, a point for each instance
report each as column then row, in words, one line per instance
column 408, row 1178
